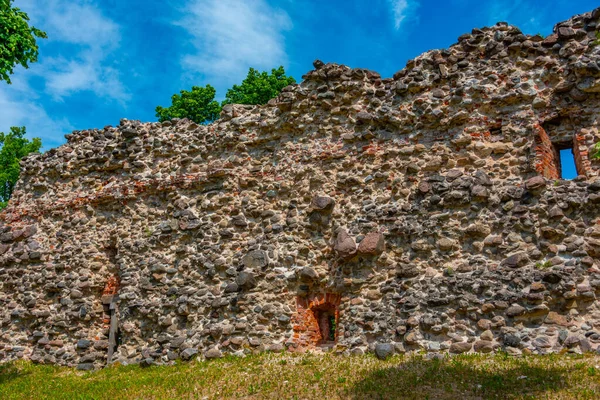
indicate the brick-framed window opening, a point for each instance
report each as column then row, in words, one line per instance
column 547, row 154
column 563, row 159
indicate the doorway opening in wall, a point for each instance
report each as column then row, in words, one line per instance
column 566, row 163
column 325, row 314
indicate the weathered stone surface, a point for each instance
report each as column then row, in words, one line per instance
column 536, row 182
column 308, row 274
column 383, row 351
column 511, row 340
column 323, row 203
column 483, row 346
column 372, row 244
column 85, row 366
column 516, row 260
column 515, row 311
column 188, row 354
column 246, row 280
column 241, row 236
column 256, row 259
column 213, row 353
column 344, row 244
column 460, row 347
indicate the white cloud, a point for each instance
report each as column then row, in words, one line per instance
column 19, row 107
column 229, row 36
column 402, row 10
column 86, row 41
column 90, row 41
column 81, row 24
column 86, row 73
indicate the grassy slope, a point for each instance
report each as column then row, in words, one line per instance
column 312, row 376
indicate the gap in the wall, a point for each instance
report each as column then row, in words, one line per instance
column 567, row 163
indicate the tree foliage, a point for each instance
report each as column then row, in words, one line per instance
column 14, row 147
column 259, row 87
column 200, row 105
column 18, row 44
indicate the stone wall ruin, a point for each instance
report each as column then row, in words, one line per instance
column 419, row 212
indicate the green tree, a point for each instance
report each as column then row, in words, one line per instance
column 199, row 105
column 258, row 87
column 18, row 44
column 14, row 147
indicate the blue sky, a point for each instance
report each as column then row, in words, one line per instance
column 109, row 59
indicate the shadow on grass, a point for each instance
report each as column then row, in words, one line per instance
column 9, row 372
column 461, row 378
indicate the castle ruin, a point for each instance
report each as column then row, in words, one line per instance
column 352, row 213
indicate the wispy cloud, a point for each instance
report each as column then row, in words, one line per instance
column 402, row 11
column 20, row 107
column 84, row 42
column 229, row 36
column 90, row 40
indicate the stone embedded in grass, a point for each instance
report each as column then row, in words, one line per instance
column 85, row 367
column 483, row 346
column 213, row 353
column 147, row 362
column 511, row 340
column 460, row 347
column 383, row 351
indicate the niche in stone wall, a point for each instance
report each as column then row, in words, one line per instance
column 325, row 315
column 316, row 321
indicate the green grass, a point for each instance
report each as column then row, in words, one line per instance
column 309, row 376
column 545, row 265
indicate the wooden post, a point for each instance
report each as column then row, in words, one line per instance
column 112, row 332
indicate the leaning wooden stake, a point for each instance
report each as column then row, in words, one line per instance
column 112, row 332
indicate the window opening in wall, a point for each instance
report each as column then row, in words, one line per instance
column 567, row 162
column 567, row 167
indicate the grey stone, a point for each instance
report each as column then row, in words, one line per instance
column 85, row 367
column 84, row 344
column 213, row 353
column 460, row 347
column 246, row 280
column 517, row 260
column 383, row 351
column 511, row 340
column 308, row 274
column 255, row 259
column 188, row 354
column 515, row 311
